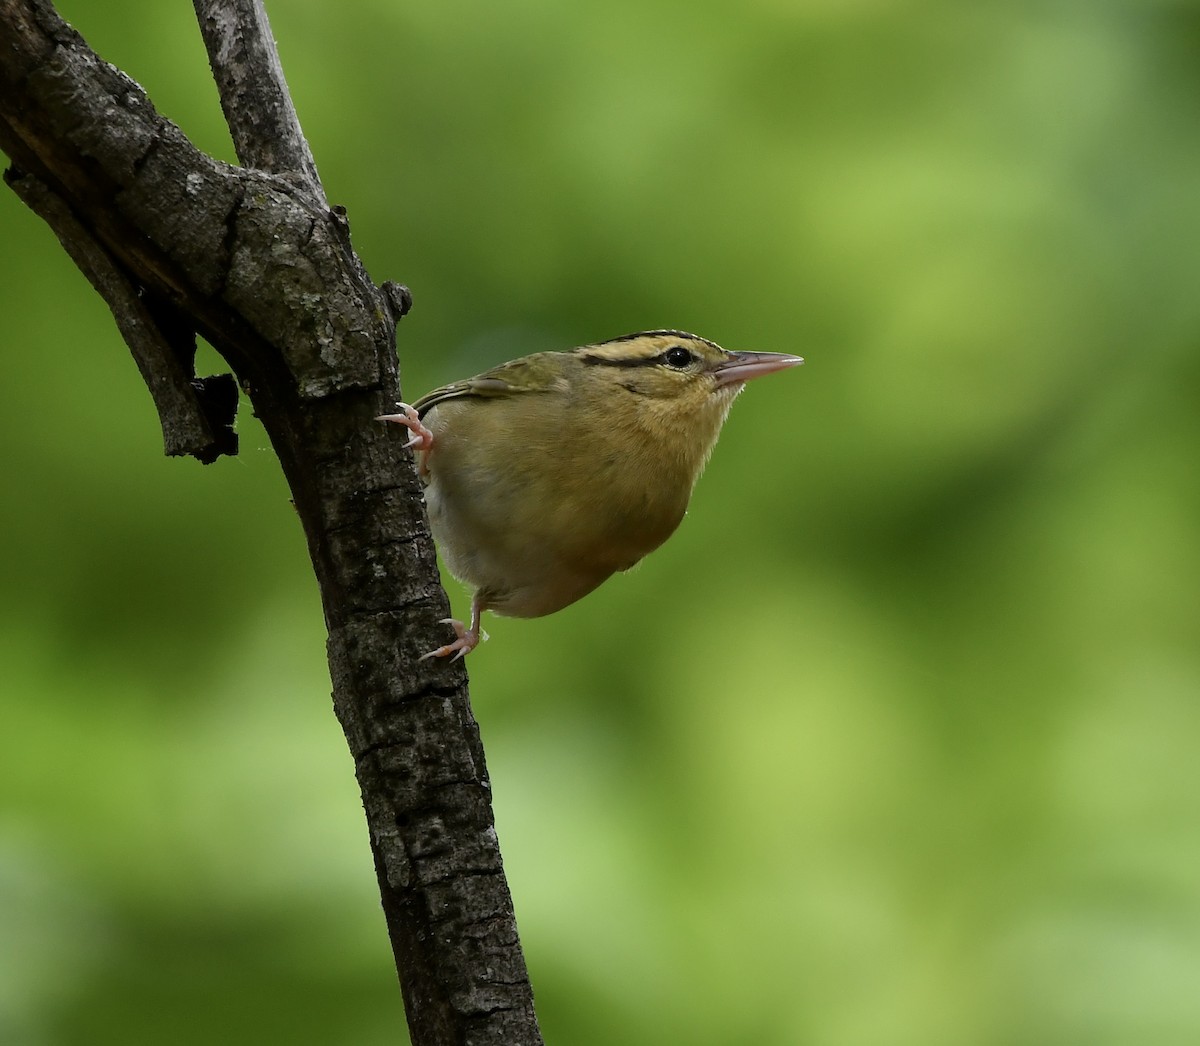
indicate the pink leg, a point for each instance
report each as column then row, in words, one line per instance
column 468, row 638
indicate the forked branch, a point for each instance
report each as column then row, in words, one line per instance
column 252, row 259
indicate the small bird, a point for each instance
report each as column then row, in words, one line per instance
column 546, row 475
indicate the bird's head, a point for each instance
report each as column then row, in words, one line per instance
column 673, row 381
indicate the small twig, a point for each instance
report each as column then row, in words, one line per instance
column 399, row 298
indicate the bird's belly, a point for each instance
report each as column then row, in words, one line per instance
column 529, row 556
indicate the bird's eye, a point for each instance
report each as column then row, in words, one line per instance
column 677, row 356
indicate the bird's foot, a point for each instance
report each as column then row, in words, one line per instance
column 421, row 438
column 468, row 639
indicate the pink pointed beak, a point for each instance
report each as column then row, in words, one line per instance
column 746, row 365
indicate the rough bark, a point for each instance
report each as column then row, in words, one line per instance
column 252, row 259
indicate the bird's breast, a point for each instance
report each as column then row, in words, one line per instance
column 540, row 514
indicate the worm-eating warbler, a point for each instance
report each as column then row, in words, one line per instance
column 546, row 475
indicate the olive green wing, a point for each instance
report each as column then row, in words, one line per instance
column 536, row 373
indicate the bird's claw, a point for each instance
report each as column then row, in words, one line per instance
column 422, row 437
column 468, row 639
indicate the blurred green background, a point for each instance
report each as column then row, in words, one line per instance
column 895, row 742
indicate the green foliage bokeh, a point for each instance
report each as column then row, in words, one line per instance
column 893, row 743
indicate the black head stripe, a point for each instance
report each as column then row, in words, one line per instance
column 628, row 361
column 665, row 334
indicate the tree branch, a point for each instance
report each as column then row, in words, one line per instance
column 196, row 416
column 254, row 95
column 267, row 275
